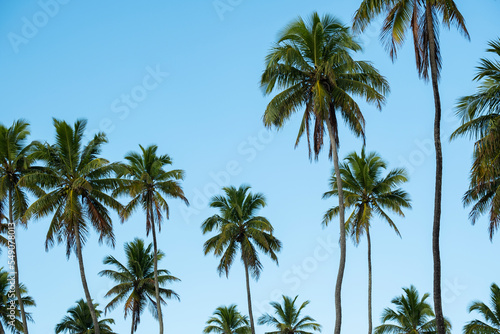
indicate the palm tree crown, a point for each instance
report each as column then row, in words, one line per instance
column 412, row 315
column 288, row 319
column 227, row 320
column 491, row 315
column 312, row 67
column 368, row 192
column 79, row 321
column 480, row 118
column 136, row 285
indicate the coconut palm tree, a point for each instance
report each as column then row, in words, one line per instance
column 147, row 182
column 480, row 118
column 240, row 229
column 79, row 321
column 227, row 320
column 312, row 68
column 136, row 282
column 412, row 315
column 491, row 315
column 15, row 162
column 421, row 18
column 12, row 322
column 78, row 182
column 288, row 318
column 369, row 194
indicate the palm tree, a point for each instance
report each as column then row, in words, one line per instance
column 148, row 184
column 78, row 181
column 136, row 283
column 412, row 315
column 227, row 320
column 288, row 318
column 7, row 320
column 491, row 315
column 239, row 229
column 312, row 68
column 480, row 118
column 15, row 162
column 422, row 19
column 368, row 193
column 79, row 321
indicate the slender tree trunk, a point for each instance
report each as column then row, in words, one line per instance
column 157, row 287
column 16, row 267
column 439, row 174
column 249, row 298
column 370, row 321
column 84, row 280
column 340, row 275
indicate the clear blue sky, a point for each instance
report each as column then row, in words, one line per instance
column 203, row 106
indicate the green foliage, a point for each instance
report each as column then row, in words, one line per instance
column 412, row 315
column 78, row 182
column 79, row 321
column 312, row 67
column 368, row 192
column 288, row 319
column 239, row 229
column 491, row 325
column 135, row 281
column 227, row 320
column 480, row 119
column 409, row 16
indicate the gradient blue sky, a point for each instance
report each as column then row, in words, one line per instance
column 205, row 109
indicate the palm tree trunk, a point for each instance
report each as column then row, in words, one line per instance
column 439, row 174
column 249, row 297
column 370, row 321
column 157, row 287
column 84, row 280
column 16, row 267
column 340, row 275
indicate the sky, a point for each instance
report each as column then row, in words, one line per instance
column 185, row 75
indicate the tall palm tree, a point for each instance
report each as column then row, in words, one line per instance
column 227, row 320
column 480, row 118
column 15, row 324
column 422, row 19
column 136, row 282
column 15, row 162
column 491, row 315
column 240, row 229
column 148, row 184
column 312, row 67
column 412, row 315
column 78, row 182
column 369, row 194
column 79, row 321
column 288, row 318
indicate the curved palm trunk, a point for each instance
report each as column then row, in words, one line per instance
column 157, row 287
column 84, row 280
column 16, row 269
column 439, row 175
column 340, row 275
column 249, row 298
column 370, row 321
